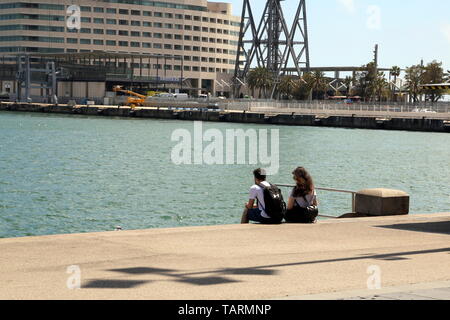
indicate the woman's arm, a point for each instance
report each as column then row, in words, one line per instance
column 291, row 203
column 315, row 202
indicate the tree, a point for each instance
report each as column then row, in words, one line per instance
column 260, row 78
column 303, row 88
column 288, row 86
column 413, row 79
column 348, row 81
column 367, row 81
column 380, row 87
column 433, row 74
column 318, row 84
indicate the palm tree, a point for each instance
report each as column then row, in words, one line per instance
column 380, row 87
column 318, row 83
column 260, row 78
column 287, row 86
column 395, row 72
column 348, row 81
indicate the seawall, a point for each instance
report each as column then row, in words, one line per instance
column 356, row 121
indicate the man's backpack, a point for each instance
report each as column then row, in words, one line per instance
column 275, row 205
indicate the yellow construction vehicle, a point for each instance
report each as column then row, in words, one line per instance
column 134, row 101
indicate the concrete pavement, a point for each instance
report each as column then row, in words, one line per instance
column 333, row 259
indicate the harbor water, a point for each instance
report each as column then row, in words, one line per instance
column 75, row 174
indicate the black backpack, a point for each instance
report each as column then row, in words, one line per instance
column 275, row 205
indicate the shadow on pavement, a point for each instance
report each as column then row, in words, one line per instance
column 442, row 227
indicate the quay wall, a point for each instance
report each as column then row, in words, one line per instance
column 354, row 121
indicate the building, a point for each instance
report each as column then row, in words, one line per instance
column 194, row 41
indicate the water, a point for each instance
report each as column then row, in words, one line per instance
column 69, row 174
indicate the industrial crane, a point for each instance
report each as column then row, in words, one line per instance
column 136, row 99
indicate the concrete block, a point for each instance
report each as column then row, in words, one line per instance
column 382, row 202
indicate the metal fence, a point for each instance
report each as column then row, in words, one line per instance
column 353, row 193
column 325, row 106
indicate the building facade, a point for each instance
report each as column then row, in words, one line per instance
column 192, row 39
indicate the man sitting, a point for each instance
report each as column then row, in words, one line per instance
column 253, row 212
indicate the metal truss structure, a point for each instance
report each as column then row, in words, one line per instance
column 271, row 44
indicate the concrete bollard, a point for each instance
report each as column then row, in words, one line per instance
column 382, row 202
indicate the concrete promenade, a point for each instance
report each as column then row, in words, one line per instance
column 328, row 260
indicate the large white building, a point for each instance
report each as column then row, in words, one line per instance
column 201, row 35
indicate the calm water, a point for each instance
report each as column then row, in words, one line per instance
column 66, row 174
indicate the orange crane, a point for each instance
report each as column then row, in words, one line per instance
column 136, row 99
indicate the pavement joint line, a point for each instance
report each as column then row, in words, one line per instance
column 366, row 293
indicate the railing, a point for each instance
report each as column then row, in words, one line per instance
column 353, row 193
column 327, row 106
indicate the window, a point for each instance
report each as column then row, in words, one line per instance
column 123, row 22
column 123, row 33
column 100, row 10
column 111, row 21
column 135, row 13
column 111, row 10
column 123, row 43
column 72, row 40
column 111, row 32
column 98, row 31
column 98, row 42
column 110, row 42
column 123, row 11
column 85, row 41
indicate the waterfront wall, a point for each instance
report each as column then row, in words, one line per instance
column 354, row 121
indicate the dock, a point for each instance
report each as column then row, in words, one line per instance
column 404, row 256
column 355, row 119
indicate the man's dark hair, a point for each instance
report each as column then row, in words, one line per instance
column 260, row 174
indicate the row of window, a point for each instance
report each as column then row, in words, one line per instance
column 133, row 23
column 120, row 43
column 88, row 9
column 114, row 32
column 166, row 15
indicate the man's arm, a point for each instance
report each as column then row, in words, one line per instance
column 250, row 204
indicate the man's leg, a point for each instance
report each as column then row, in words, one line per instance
column 245, row 219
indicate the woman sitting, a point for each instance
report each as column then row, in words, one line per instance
column 302, row 205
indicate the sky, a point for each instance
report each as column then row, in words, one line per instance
column 344, row 32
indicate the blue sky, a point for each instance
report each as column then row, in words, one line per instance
column 344, row 32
